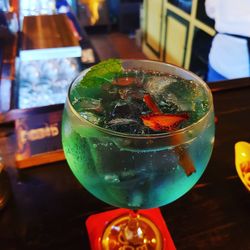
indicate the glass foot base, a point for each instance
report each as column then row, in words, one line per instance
column 147, row 236
column 106, row 231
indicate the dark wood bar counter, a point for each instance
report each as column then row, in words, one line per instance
column 47, row 207
column 48, row 34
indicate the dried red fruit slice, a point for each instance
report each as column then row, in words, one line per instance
column 167, row 122
column 151, row 104
column 163, row 122
column 185, row 160
column 124, row 81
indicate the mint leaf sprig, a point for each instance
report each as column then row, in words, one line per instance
column 99, row 74
column 102, row 72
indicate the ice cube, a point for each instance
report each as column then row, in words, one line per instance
column 91, row 117
column 168, row 106
column 182, row 93
column 125, row 125
column 49, row 70
column 156, row 85
column 87, row 104
column 125, row 109
column 141, row 77
column 119, row 109
column 184, row 89
column 121, row 121
column 131, row 93
column 200, row 108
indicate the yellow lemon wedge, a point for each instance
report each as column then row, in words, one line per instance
column 242, row 162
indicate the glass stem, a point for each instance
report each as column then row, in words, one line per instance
column 133, row 232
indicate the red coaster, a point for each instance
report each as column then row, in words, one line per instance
column 97, row 222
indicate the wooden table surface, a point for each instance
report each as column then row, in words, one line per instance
column 47, row 208
column 47, row 31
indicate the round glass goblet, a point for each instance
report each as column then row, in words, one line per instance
column 138, row 171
